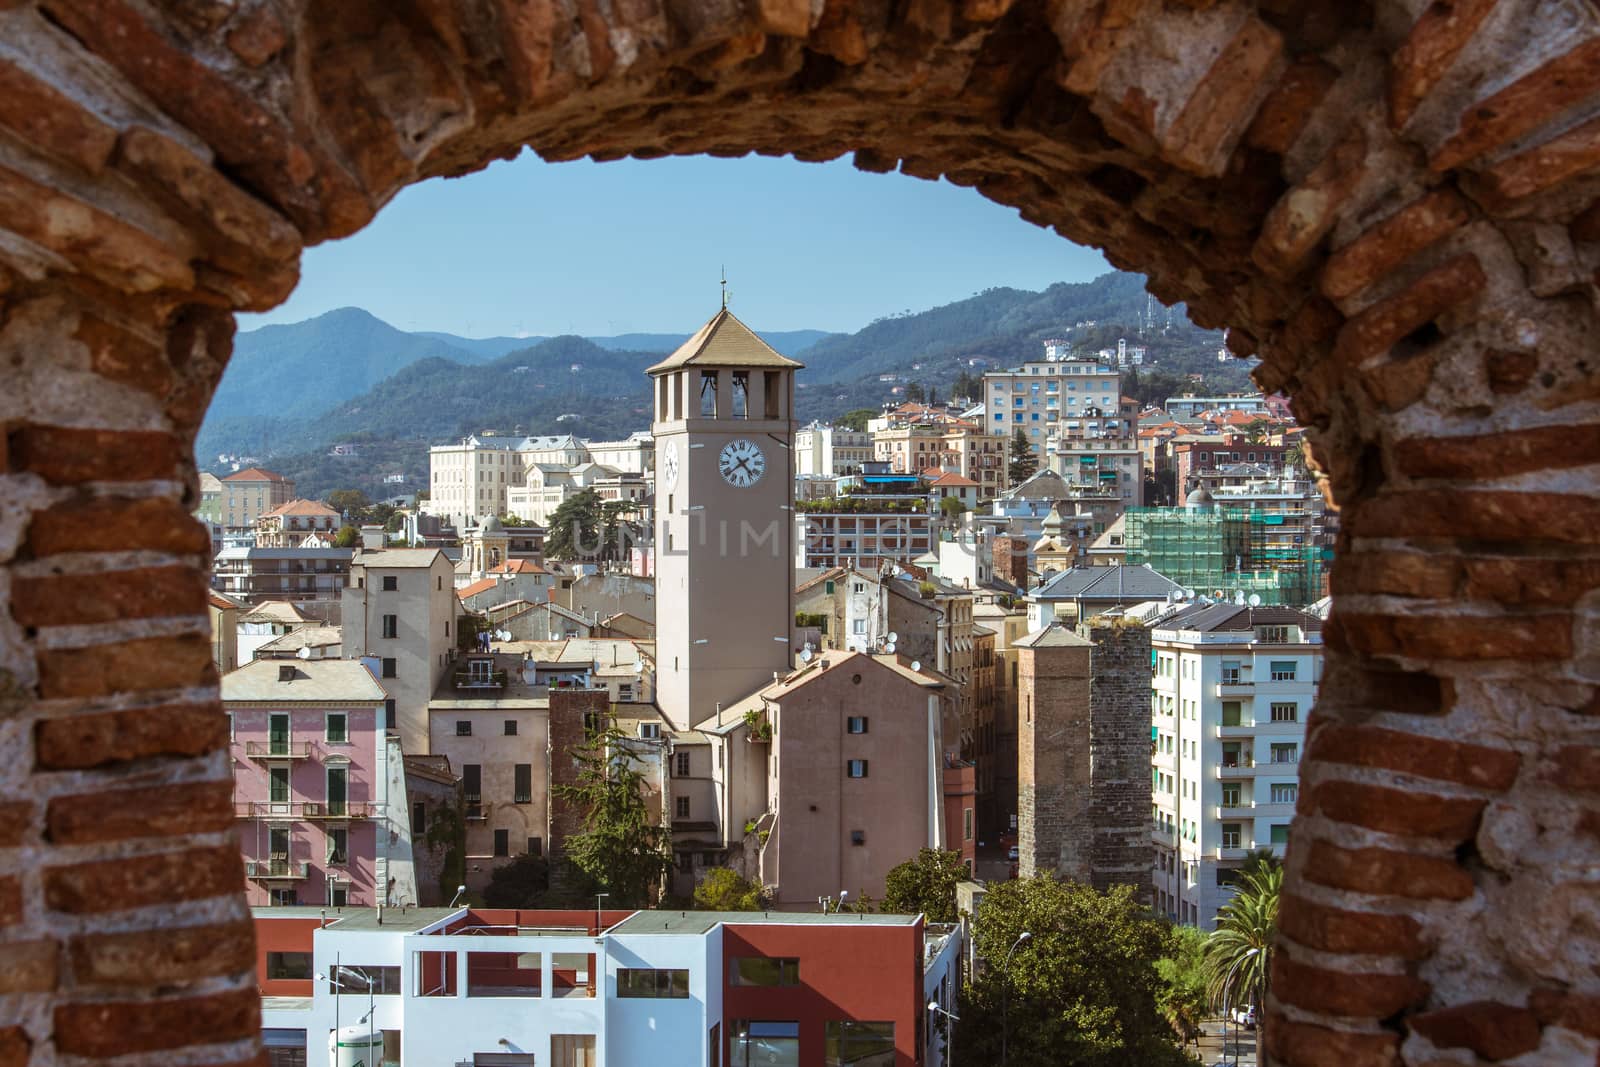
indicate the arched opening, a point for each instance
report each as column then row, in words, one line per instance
column 1396, row 205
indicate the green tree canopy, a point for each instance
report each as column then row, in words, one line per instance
column 724, row 889
column 1084, row 990
column 522, row 883
column 925, row 885
column 347, row 537
column 619, row 847
column 952, row 507
column 1238, row 958
column 574, row 528
column 915, row 393
column 1023, row 461
column 855, row 419
column 351, row 502
column 1183, row 997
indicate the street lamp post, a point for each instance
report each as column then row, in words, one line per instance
column 1005, row 997
column 1227, row 1016
column 949, row 1033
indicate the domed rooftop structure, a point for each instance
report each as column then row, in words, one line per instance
column 492, row 525
column 1199, row 498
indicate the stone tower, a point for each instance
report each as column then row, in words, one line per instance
column 1083, row 754
column 724, row 433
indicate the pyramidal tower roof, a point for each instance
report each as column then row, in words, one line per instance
column 724, row 342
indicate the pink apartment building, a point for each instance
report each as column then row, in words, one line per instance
column 309, row 765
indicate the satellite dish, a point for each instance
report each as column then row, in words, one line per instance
column 893, row 637
column 1255, row 600
column 1238, row 598
column 502, row 635
column 638, row 666
column 888, row 649
column 1188, row 593
column 303, row 652
column 806, row 654
column 916, row 665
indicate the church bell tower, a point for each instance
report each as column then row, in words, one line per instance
column 724, row 436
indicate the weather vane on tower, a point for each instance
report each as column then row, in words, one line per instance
column 724, row 288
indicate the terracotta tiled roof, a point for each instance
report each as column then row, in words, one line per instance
column 481, row 586
column 952, row 478
column 518, row 566
column 302, row 507
column 255, row 474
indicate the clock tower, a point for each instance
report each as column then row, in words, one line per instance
column 724, row 431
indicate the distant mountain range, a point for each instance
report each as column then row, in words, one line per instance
column 292, row 391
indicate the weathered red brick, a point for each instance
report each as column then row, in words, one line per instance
column 1523, row 106
column 97, row 243
column 1499, row 454
column 212, row 198
column 1300, row 220
column 1480, row 515
column 1384, row 872
column 1546, row 165
column 10, row 901
column 1298, row 1044
column 1378, row 328
column 244, row 135
column 1356, row 994
column 1336, row 930
column 16, row 823
column 139, row 881
column 174, row 662
column 113, row 524
column 258, row 36
column 1575, row 767
column 1436, row 38
column 1376, row 253
column 79, row 742
column 66, row 455
column 47, row 119
column 169, row 955
column 28, row 966
column 1509, row 372
column 1530, row 581
column 1453, row 637
column 1568, row 1010
column 1399, row 811
column 15, row 1048
column 1291, row 104
column 102, row 1029
column 1479, row 766
column 123, row 356
column 1493, row 1030
column 76, row 599
column 152, row 811
column 1224, row 100
column 1389, row 573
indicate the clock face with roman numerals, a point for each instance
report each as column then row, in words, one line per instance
column 669, row 464
column 742, row 463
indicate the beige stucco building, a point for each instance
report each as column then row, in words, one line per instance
column 399, row 611
column 248, row 494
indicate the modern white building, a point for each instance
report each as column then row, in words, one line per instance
column 471, row 479
column 436, row 987
column 821, row 449
column 1231, row 689
column 1041, row 395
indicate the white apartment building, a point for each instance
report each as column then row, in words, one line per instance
column 1040, row 395
column 470, row 480
column 635, row 454
column 830, row 451
column 1101, row 466
column 1231, row 691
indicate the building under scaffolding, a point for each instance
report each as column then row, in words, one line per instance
column 1220, row 551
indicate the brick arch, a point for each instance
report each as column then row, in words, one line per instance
column 1393, row 202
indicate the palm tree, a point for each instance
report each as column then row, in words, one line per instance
column 1238, row 955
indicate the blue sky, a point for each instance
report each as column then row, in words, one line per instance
column 527, row 247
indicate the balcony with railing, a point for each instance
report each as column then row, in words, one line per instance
column 1236, row 684
column 277, row 868
column 1236, row 767
column 278, row 748
column 1237, row 731
column 470, row 679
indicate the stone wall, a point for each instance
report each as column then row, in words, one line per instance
column 570, row 710
column 1120, row 849
column 1011, row 561
column 1395, row 203
column 1055, row 833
